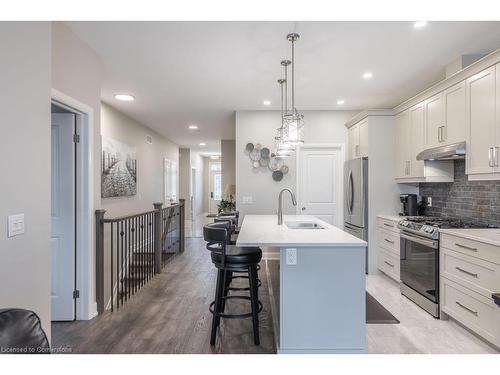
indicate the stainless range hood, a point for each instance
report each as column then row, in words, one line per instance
column 448, row 152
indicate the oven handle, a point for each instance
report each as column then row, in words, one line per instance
column 421, row 241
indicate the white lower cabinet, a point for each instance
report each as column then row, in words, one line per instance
column 469, row 275
column 388, row 241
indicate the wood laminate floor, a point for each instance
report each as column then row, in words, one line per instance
column 170, row 315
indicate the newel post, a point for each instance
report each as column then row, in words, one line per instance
column 157, row 234
column 99, row 257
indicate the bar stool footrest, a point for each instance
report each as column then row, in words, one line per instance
column 234, row 316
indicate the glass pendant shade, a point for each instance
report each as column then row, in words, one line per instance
column 294, row 125
column 282, row 147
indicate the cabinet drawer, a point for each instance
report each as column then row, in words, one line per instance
column 472, row 248
column 388, row 263
column 389, row 241
column 476, row 312
column 389, row 225
column 476, row 274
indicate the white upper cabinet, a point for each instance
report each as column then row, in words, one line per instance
column 353, row 135
column 401, row 139
column 358, row 140
column 416, row 142
column 434, row 120
column 445, row 117
column 481, row 123
column 454, row 114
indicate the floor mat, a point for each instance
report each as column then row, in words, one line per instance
column 376, row 313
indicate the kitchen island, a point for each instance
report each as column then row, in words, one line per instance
column 322, row 282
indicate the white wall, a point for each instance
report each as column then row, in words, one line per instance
column 150, row 157
column 25, row 267
column 228, row 159
column 260, row 127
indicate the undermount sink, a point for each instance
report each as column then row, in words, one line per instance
column 303, row 225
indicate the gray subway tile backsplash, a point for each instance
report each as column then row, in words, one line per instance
column 477, row 202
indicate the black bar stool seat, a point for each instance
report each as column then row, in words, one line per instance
column 236, row 256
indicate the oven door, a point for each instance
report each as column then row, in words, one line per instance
column 420, row 265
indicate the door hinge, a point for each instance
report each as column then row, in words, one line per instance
column 76, row 138
column 76, row 294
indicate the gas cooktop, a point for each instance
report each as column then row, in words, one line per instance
column 429, row 226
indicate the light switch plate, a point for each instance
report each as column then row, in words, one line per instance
column 291, row 257
column 15, row 225
column 247, row 200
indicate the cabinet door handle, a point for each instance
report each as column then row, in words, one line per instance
column 389, row 264
column 466, row 272
column 495, row 156
column 466, row 247
column 490, row 158
column 389, row 225
column 356, row 150
column 439, row 134
column 466, row 308
column 385, row 239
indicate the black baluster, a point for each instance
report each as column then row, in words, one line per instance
column 122, row 270
column 111, row 283
column 117, row 266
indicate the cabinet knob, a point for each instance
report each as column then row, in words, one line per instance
column 303, row 208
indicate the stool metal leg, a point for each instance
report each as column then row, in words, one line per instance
column 219, row 289
column 227, row 282
column 254, row 294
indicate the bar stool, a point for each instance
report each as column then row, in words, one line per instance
column 228, row 259
column 235, row 214
column 232, row 220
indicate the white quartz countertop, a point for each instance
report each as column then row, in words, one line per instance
column 263, row 230
column 490, row 236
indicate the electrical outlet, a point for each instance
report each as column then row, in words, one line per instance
column 291, row 257
column 429, row 201
column 15, row 225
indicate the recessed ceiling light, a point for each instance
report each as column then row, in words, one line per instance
column 214, row 157
column 267, row 102
column 203, row 144
column 420, row 24
column 193, row 127
column 124, row 97
column 340, row 102
column 367, row 75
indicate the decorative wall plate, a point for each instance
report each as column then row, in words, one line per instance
column 277, row 175
column 275, row 163
column 255, row 155
column 264, row 161
column 265, row 152
column 249, row 147
column 284, row 169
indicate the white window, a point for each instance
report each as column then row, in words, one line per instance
column 169, row 181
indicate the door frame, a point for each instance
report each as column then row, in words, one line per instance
column 86, row 305
column 321, row 146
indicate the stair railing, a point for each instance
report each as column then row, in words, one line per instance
column 131, row 249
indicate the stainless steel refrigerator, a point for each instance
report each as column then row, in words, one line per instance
column 356, row 199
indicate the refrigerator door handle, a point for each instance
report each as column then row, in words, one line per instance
column 351, row 192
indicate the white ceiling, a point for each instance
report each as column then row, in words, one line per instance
column 202, row 72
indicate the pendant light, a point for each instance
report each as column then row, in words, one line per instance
column 292, row 119
column 283, row 148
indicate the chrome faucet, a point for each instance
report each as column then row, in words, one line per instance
column 280, row 204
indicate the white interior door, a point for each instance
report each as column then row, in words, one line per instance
column 63, row 217
column 320, row 183
column 215, row 182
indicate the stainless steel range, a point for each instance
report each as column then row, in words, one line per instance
column 420, row 259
